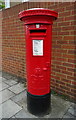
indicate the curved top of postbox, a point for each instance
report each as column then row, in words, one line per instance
column 34, row 12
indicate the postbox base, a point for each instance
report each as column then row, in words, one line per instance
column 38, row 105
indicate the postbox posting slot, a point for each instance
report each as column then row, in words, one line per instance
column 38, row 32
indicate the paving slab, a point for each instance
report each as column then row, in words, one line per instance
column 15, row 79
column 23, row 103
column 68, row 115
column 23, row 114
column 6, row 75
column 0, row 97
column 6, row 94
column 72, row 110
column 9, row 109
column 0, row 74
column 0, row 112
column 14, row 118
column 19, row 97
column 3, row 86
column 0, row 79
column 58, row 107
column 10, row 82
column 17, row 88
column 3, row 79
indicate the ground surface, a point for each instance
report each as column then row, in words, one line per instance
column 13, row 103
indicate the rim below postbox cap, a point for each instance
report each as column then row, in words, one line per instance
column 35, row 8
column 38, row 11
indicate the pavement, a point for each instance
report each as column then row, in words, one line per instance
column 13, row 102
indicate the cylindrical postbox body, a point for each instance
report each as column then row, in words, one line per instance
column 38, row 27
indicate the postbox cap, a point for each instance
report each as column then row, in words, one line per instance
column 38, row 11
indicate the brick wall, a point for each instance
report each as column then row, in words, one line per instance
column 63, row 76
column 0, row 41
column 63, row 50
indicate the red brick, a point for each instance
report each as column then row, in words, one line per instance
column 71, row 60
column 63, row 33
column 59, row 58
column 72, row 86
column 72, row 51
column 60, row 82
column 56, row 38
column 68, row 46
column 73, row 33
column 71, row 7
column 61, row 75
column 63, row 23
column 61, row 67
column 69, row 56
column 73, row 82
column 56, row 62
column 56, row 70
column 55, row 77
column 71, row 69
column 60, row 90
column 72, row 42
column 72, row 23
column 69, row 18
column 62, row 42
column 66, row 72
column 70, row 28
column 56, row 46
column 65, row 87
column 68, row 64
column 56, row 54
column 60, row 9
column 66, row 81
column 67, row 13
column 71, row 78
column 61, row 51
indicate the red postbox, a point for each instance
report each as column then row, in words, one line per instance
column 38, row 26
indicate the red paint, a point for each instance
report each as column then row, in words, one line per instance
column 38, row 67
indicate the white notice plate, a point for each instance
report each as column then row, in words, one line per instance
column 38, row 47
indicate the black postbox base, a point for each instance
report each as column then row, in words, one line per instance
column 38, row 104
